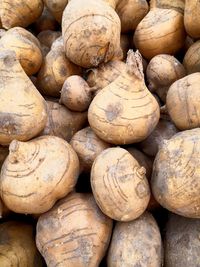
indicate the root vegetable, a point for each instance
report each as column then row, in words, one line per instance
column 54, row 71
column 26, row 47
column 176, row 174
column 56, row 7
column 74, row 233
column 178, row 5
column 22, row 108
column 106, row 73
column 76, row 95
column 131, row 12
column 17, row 245
column 38, row 173
column 191, row 59
column 182, row 245
column 183, row 102
column 91, row 32
column 161, row 72
column 163, row 131
column 48, row 37
column 63, row 122
column 45, row 22
column 119, row 185
column 192, row 18
column 136, row 243
column 125, row 112
column 87, row 146
column 160, row 32
column 20, row 13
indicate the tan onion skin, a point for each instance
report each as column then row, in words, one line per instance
column 131, row 12
column 22, row 108
column 161, row 72
column 136, row 243
column 192, row 18
column 181, row 242
column 19, row 13
column 176, row 172
column 119, row 185
column 56, row 7
column 38, row 173
column 17, row 245
column 87, row 146
column 183, row 102
column 125, row 112
column 87, row 42
column 74, row 232
column 152, row 41
column 63, row 122
column 26, row 47
column 54, row 71
column 191, row 59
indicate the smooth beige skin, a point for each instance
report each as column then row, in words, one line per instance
column 119, row 185
column 160, row 32
column 176, row 174
column 183, row 102
column 48, row 37
column 87, row 146
column 182, row 244
column 56, row 7
column 161, row 72
column 178, row 5
column 131, row 12
column 74, row 233
column 106, row 73
column 38, row 173
column 17, row 245
column 63, row 122
column 54, row 71
column 136, row 243
column 45, row 22
column 91, row 32
column 26, row 47
column 76, row 94
column 191, row 59
column 192, row 18
column 125, row 112
column 22, row 108
column 164, row 130
column 19, row 13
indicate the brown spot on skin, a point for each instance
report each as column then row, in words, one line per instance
column 63, row 71
column 8, row 124
column 141, row 190
column 87, row 33
column 113, row 111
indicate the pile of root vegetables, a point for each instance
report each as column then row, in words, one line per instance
column 99, row 133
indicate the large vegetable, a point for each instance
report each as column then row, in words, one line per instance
column 74, row 233
column 182, row 244
column 63, row 122
column 192, row 18
column 37, row 173
column 136, row 243
column 26, row 47
column 183, row 102
column 119, row 184
column 91, row 32
column 87, row 146
column 176, row 174
column 19, row 12
column 17, row 245
column 160, row 32
column 22, row 108
column 125, row 111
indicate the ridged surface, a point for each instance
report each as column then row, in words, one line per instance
column 74, row 233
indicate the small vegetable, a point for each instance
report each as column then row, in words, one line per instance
column 74, row 232
column 136, row 243
column 119, row 185
column 87, row 42
column 191, row 59
column 38, row 173
column 56, row 7
column 125, row 112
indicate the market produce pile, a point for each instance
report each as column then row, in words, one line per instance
column 99, row 133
